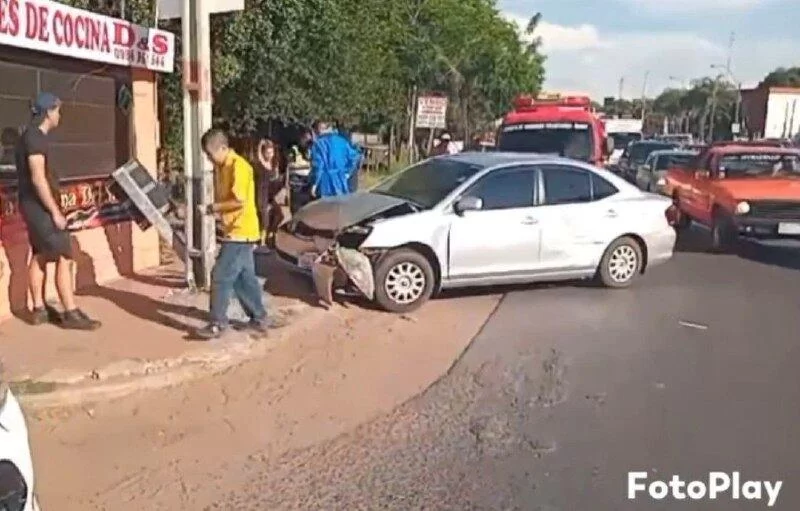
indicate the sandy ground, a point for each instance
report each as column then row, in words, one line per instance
column 183, row 447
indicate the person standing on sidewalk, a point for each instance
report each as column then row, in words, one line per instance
column 234, row 270
column 50, row 241
column 333, row 160
column 269, row 184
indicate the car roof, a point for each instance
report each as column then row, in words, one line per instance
column 650, row 141
column 674, row 152
column 751, row 149
column 495, row 158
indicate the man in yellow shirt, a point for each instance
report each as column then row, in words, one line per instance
column 234, row 270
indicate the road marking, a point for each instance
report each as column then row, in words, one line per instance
column 689, row 324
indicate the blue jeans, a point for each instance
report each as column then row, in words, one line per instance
column 234, row 273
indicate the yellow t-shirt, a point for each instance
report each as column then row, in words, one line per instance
column 235, row 180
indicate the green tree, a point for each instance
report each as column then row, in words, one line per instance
column 706, row 109
column 783, row 77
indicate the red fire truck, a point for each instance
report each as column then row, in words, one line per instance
column 556, row 124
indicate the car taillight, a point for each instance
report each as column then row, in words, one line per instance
column 672, row 214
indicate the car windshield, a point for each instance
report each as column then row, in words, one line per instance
column 621, row 140
column 755, row 165
column 569, row 139
column 429, row 182
column 640, row 151
column 667, row 161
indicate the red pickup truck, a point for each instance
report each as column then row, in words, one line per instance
column 739, row 189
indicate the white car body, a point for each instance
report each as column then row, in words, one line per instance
column 482, row 246
column 503, row 246
column 14, row 446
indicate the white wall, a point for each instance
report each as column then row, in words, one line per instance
column 783, row 115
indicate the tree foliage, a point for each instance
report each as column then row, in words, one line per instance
column 359, row 60
column 354, row 61
column 783, row 77
column 707, row 108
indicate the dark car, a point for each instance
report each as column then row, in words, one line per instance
column 636, row 154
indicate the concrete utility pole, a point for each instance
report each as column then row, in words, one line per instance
column 196, row 120
column 729, row 75
column 200, row 230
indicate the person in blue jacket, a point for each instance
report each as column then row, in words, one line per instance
column 333, row 161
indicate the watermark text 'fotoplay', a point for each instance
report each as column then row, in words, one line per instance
column 718, row 485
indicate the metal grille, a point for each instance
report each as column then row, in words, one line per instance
column 789, row 210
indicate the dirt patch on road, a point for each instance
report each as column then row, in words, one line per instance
column 179, row 448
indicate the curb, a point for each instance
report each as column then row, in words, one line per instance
column 158, row 374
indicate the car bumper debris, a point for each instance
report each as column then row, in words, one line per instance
column 339, row 266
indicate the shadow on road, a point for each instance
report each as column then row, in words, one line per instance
column 778, row 253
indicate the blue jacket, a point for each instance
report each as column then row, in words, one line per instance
column 333, row 161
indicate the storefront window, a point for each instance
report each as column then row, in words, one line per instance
column 93, row 138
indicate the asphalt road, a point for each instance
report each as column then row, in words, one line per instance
column 568, row 388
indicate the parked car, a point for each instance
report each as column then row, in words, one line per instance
column 657, row 164
column 739, row 190
column 479, row 219
column 16, row 467
column 636, row 154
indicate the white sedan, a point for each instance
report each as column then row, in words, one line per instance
column 16, row 467
column 479, row 219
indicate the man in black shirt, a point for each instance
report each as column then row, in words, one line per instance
column 47, row 226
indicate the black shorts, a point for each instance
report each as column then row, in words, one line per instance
column 46, row 239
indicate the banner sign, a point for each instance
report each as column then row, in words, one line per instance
column 51, row 27
column 579, row 126
column 432, row 112
column 86, row 204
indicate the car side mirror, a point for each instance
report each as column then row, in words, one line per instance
column 702, row 174
column 468, row 203
column 609, row 145
column 644, row 168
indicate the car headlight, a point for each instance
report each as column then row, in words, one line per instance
column 743, row 208
column 661, row 182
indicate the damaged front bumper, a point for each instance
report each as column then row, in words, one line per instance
column 340, row 266
column 330, row 265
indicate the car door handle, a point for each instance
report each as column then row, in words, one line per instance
column 611, row 213
column 529, row 220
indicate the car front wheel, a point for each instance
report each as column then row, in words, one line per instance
column 621, row 263
column 723, row 233
column 404, row 280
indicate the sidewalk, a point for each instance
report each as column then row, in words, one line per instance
column 145, row 321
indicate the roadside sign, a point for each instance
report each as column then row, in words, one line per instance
column 432, row 112
column 735, row 128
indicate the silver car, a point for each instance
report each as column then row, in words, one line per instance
column 656, row 166
column 479, row 219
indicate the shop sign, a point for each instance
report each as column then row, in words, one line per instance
column 51, row 27
column 86, row 204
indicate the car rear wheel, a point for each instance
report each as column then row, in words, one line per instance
column 621, row 263
column 404, row 280
column 723, row 233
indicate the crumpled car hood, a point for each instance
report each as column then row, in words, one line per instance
column 336, row 213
